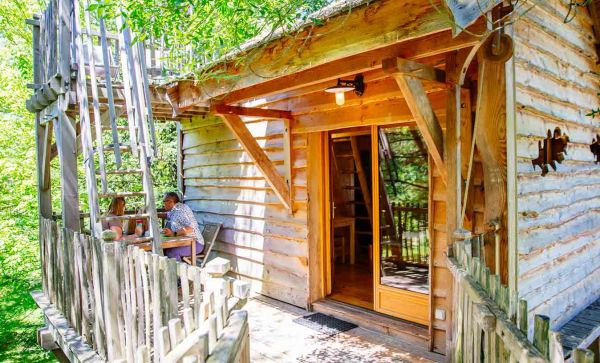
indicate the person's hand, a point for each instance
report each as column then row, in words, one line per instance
column 168, row 232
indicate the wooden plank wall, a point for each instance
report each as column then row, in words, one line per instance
column 266, row 245
column 559, row 215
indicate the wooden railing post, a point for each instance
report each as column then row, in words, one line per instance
column 583, row 356
column 541, row 334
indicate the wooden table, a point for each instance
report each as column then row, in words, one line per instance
column 172, row 242
column 347, row 222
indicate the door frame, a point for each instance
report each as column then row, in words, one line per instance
column 383, row 296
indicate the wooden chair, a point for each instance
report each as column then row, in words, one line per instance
column 209, row 233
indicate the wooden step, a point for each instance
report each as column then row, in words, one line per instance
column 416, row 334
column 119, row 128
column 121, row 194
column 121, row 172
column 126, row 216
column 110, row 147
column 366, row 233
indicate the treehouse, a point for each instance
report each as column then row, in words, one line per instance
column 433, row 182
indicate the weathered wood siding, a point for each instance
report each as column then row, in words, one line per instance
column 559, row 215
column 265, row 244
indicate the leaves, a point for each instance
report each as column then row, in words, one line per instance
column 200, row 32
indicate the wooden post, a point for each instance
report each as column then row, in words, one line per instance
column 583, row 356
column 452, row 156
column 490, row 138
column 541, row 334
column 41, row 137
column 67, row 153
column 511, row 174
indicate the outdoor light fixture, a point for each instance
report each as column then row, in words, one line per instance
column 357, row 85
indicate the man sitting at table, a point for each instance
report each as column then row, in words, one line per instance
column 181, row 222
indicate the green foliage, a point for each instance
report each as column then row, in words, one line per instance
column 19, row 261
column 199, row 32
column 407, row 174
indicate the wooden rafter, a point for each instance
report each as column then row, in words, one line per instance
column 413, row 69
column 250, row 86
column 253, row 112
column 260, row 158
column 420, row 107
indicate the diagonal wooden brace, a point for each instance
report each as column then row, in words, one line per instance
column 260, row 158
column 426, row 120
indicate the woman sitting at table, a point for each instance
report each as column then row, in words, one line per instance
column 116, row 208
column 181, row 222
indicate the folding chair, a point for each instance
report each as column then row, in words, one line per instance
column 209, row 233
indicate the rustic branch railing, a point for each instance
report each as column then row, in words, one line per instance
column 124, row 304
column 485, row 328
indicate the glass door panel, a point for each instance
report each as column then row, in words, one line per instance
column 402, row 247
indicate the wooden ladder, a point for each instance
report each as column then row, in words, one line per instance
column 137, row 113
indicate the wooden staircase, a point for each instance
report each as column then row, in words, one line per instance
column 130, row 129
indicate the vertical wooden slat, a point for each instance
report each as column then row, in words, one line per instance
column 97, row 273
column 111, row 282
column 85, row 128
column 95, row 102
column 156, row 304
column 185, row 284
column 109, row 93
column 127, row 305
column 143, row 297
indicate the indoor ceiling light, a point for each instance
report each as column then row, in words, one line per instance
column 357, row 85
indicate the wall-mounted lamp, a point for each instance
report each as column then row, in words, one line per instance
column 357, row 85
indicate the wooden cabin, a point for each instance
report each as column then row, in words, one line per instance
column 431, row 182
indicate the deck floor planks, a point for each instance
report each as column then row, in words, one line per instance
column 581, row 327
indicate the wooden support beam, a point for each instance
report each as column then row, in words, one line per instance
column 67, row 153
column 260, row 158
column 413, row 69
column 426, row 120
column 252, row 112
column 384, row 112
column 46, row 154
column 490, row 138
column 288, row 161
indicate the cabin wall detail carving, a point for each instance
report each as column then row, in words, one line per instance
column 559, row 214
column 264, row 242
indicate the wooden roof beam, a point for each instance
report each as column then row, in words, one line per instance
column 383, row 112
column 421, row 109
column 252, row 112
column 239, row 129
column 265, row 76
column 413, row 69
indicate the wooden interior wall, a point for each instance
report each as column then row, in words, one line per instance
column 559, row 214
column 264, row 243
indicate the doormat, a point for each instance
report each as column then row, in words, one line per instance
column 325, row 324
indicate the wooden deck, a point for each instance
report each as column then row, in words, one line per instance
column 275, row 337
column 582, row 330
